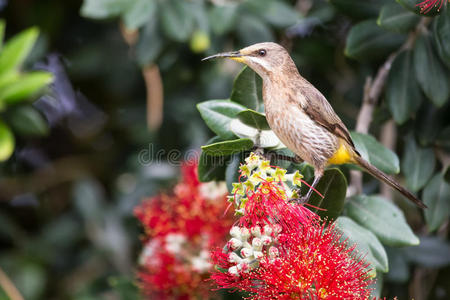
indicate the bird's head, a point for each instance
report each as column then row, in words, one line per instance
column 264, row 58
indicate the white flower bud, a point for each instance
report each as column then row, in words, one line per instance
column 268, row 230
column 257, row 244
column 235, row 243
column 246, row 252
column 235, row 231
column 266, row 240
column 233, row 271
column 234, row 258
column 258, row 254
column 245, row 233
column 256, row 231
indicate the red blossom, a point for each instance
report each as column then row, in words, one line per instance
column 180, row 228
column 427, row 5
column 304, row 259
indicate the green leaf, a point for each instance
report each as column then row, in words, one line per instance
column 366, row 243
column 431, row 253
column 228, row 147
column 359, row 9
column 101, row 9
column 375, row 153
column 245, row 89
column 403, row 94
column 430, row 73
column 383, row 218
column 254, row 119
column 2, row 32
column 27, row 85
column 139, row 13
column 412, row 6
column 366, row 40
column 394, row 17
column 252, row 30
column 232, row 172
column 7, row 142
column 436, row 196
column 27, row 121
column 333, row 186
column 417, row 164
column 211, row 167
column 218, row 115
column 276, row 13
column 222, row 18
column 441, row 30
column 261, row 138
column 150, row 43
column 17, row 49
column 177, row 20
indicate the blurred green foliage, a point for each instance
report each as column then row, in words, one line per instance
column 84, row 157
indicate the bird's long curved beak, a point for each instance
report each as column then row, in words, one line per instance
column 235, row 55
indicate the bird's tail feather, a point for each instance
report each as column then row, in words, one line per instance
column 390, row 181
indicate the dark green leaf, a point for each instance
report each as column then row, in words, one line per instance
column 222, row 18
column 429, row 123
column 101, row 9
column 443, row 139
column 139, row 13
column 27, row 121
column 399, row 269
column 394, row 17
column 431, row 253
column 232, row 172
column 359, row 9
column 252, row 30
column 375, row 153
column 417, row 164
column 383, row 218
column 277, row 13
column 245, row 89
column 27, row 85
column 430, row 73
column 6, row 142
column 333, row 186
column 2, row 33
column 150, row 43
column 366, row 243
column 403, row 94
column 441, row 29
column 412, row 6
column 218, row 115
column 253, row 118
column 177, row 20
column 366, row 40
column 211, row 167
column 17, row 49
column 227, row 147
column 436, row 196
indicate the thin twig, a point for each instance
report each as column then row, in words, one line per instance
column 8, row 287
column 372, row 91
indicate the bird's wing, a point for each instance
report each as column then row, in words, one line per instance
column 319, row 110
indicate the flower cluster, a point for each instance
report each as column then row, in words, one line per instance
column 427, row 5
column 180, row 229
column 281, row 250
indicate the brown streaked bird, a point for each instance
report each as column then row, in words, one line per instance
column 301, row 116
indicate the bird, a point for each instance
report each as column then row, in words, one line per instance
column 301, row 117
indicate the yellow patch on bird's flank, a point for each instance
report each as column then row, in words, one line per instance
column 341, row 156
column 240, row 59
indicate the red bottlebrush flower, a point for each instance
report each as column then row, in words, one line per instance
column 282, row 250
column 427, row 5
column 180, row 228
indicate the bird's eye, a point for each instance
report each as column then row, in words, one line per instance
column 262, row 52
